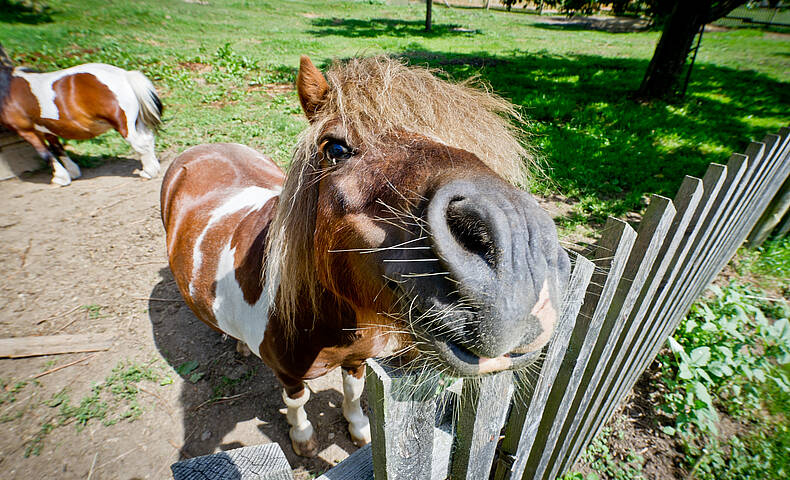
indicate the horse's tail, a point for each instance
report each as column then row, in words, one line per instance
column 6, row 72
column 150, row 104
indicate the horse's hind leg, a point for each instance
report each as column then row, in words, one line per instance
column 358, row 423
column 60, row 176
column 142, row 140
column 57, row 148
column 302, row 434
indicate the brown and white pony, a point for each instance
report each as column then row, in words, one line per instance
column 396, row 231
column 79, row 103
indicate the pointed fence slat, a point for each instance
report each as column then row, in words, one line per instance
column 743, row 220
column 712, row 181
column 523, row 422
column 685, row 202
column 650, row 235
column 611, row 254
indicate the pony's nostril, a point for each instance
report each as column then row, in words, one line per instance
column 470, row 230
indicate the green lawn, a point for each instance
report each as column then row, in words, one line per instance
column 220, row 68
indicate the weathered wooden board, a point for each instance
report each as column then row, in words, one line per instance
column 526, row 421
column 402, row 424
column 54, row 344
column 485, row 404
column 611, row 254
column 650, row 237
column 358, row 466
column 772, row 216
column 259, row 462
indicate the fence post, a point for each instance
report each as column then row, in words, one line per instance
column 777, row 210
column 403, row 415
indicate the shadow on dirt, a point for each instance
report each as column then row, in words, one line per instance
column 223, row 389
column 90, row 166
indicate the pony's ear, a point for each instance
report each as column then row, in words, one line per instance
column 312, row 87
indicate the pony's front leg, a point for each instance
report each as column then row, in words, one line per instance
column 358, row 423
column 302, row 435
column 57, row 148
column 60, row 176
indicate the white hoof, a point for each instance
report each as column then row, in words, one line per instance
column 60, row 176
column 150, row 171
column 360, row 432
column 71, row 167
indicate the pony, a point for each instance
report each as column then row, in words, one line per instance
column 78, row 103
column 398, row 231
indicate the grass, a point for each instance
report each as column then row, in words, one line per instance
column 224, row 70
column 109, row 401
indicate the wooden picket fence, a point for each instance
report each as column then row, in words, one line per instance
column 619, row 309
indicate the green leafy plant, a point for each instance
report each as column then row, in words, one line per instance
column 723, row 356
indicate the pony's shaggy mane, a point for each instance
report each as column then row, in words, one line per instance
column 373, row 97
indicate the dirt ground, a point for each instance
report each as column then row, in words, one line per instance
column 90, row 258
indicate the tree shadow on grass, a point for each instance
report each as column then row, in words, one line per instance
column 600, row 24
column 17, row 11
column 377, row 27
column 608, row 151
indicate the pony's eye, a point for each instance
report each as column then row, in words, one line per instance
column 337, row 151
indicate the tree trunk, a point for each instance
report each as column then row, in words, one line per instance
column 666, row 66
column 428, row 5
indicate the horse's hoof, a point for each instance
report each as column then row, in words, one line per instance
column 306, row 449
column 360, row 435
column 61, row 181
column 242, row 349
column 144, row 174
column 72, row 168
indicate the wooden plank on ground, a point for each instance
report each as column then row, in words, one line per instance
column 527, row 418
column 485, row 403
column 358, row 466
column 611, row 254
column 259, row 462
column 54, row 344
column 402, row 423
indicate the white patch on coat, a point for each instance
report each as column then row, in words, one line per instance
column 248, row 198
column 112, row 77
column 234, row 315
